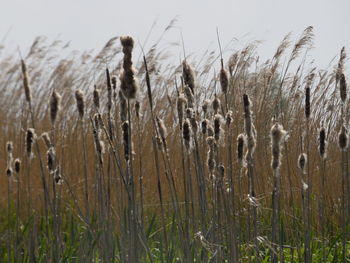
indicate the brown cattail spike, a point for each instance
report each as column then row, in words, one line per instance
column 55, row 102
column 342, row 86
column 26, row 81
column 17, row 166
column 278, row 136
column 79, row 97
column 186, row 133
column 322, row 143
column 224, row 80
column 30, row 138
column 126, row 143
column 240, row 149
column 216, row 105
column 188, row 75
column 302, row 160
column 96, row 98
column 181, row 104
column 343, row 138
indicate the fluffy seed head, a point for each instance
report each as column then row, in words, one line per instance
column 51, row 157
column 9, row 147
column 205, row 106
column 216, row 105
column 181, row 104
column 129, row 84
column 217, row 126
column 188, row 75
column 55, row 102
column 96, row 97
column 229, row 117
column 123, row 106
column 127, row 43
column 186, row 133
column 240, row 149
column 204, row 126
column 278, row 137
column 79, row 97
column 46, row 137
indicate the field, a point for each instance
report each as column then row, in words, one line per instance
column 115, row 157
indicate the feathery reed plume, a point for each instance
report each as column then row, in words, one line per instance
column 128, row 81
column 137, row 109
column 26, row 82
column 55, row 101
column 123, row 106
column 46, row 138
column 305, row 39
column 186, row 133
column 216, row 104
column 96, row 98
column 125, row 129
column 79, row 97
column 224, row 80
column 342, row 87
column 229, row 117
column 343, row 138
column 204, row 126
column 181, row 104
column 278, row 137
column 17, row 166
column 240, row 149
column 322, row 147
column 188, row 75
column 302, row 160
column 189, row 96
column 30, row 138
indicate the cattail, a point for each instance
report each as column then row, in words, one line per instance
column 205, row 107
column 307, row 94
column 190, row 113
column 9, row 171
column 189, row 96
column 216, row 105
column 278, row 136
column 229, row 117
column 224, row 80
column 161, row 129
column 79, row 97
column 343, row 138
column 96, row 98
column 210, row 130
column 342, row 86
column 181, row 104
column 109, row 91
column 341, row 61
column 186, row 133
column 9, row 148
column 114, row 82
column 128, row 81
column 45, row 136
column 204, row 126
column 123, row 106
column 221, row 171
column 240, row 149
column 51, row 157
column 30, row 138
column 57, row 176
column 302, row 160
column 26, row 82
column 217, row 126
column 55, row 101
column 17, row 166
column 125, row 129
column 137, row 109
column 322, row 143
column 188, row 75
column 211, row 161
column 248, row 125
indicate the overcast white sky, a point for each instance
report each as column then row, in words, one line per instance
column 88, row 24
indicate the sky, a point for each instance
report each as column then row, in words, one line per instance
column 89, row 24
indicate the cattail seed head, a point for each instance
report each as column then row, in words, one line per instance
column 248, row 125
column 322, row 143
column 210, row 130
column 278, row 137
column 302, row 160
column 114, row 81
column 224, row 80
column 26, row 81
column 181, row 104
column 125, row 129
column 307, row 103
column 188, row 75
column 229, row 117
column 217, row 126
column 221, row 171
column 343, row 138
column 127, row 43
column 186, row 133
column 204, row 126
column 9, row 171
column 17, row 165
column 240, row 149
column 137, row 109
column 51, row 157
column 30, row 138
column 96, row 98
column 9, row 147
column 46, row 137
column 205, row 107
column 189, row 96
column 216, row 105
column 342, row 86
column 79, row 97
column 55, row 102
